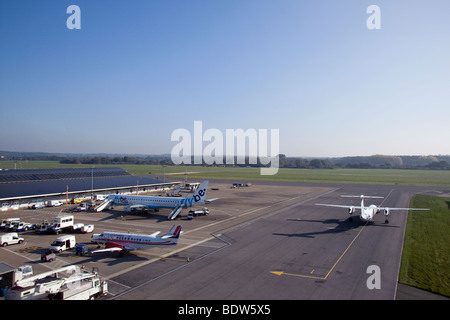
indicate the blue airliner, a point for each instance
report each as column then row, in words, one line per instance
column 131, row 202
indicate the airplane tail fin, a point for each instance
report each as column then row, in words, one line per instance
column 362, row 197
column 174, row 233
column 200, row 193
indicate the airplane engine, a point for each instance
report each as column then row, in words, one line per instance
column 351, row 210
column 386, row 212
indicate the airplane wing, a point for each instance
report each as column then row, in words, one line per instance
column 390, row 209
column 141, row 206
column 210, row 200
column 113, row 249
column 137, row 206
column 154, row 234
column 359, row 207
column 128, row 247
column 338, row 206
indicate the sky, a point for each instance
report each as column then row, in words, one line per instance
column 138, row 70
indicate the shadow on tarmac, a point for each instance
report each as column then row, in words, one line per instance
column 339, row 226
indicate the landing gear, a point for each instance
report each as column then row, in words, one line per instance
column 386, row 221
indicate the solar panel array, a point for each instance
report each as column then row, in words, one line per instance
column 34, row 175
column 20, row 183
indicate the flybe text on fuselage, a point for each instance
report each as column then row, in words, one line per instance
column 186, row 201
column 121, row 200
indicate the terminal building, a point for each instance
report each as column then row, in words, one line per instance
column 22, row 188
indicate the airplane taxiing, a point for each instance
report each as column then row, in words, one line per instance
column 133, row 202
column 125, row 242
column 368, row 213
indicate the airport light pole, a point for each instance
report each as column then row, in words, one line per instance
column 92, row 183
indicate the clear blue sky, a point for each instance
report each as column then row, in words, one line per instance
column 137, row 70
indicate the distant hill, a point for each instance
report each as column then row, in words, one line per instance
column 368, row 162
column 391, row 161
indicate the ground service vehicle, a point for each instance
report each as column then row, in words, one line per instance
column 48, row 256
column 79, row 285
column 21, row 226
column 10, row 238
column 53, row 203
column 37, row 205
column 87, row 228
column 201, row 212
column 76, row 227
column 60, row 224
column 8, row 225
column 8, row 221
column 63, row 243
column 43, row 228
column 83, row 286
column 82, row 207
column 81, row 249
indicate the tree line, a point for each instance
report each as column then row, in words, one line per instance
column 436, row 162
column 370, row 162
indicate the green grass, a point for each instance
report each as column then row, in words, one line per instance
column 438, row 178
column 426, row 250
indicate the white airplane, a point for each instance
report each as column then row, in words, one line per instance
column 131, row 202
column 125, row 242
column 367, row 213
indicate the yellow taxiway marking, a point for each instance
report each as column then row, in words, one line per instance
column 279, row 273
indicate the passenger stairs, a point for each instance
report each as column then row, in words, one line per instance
column 175, row 213
column 103, row 205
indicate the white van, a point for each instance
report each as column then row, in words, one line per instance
column 10, row 238
column 100, row 197
column 63, row 243
column 54, row 203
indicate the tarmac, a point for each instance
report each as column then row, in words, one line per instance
column 265, row 242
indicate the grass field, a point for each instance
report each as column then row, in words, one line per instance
column 438, row 178
column 426, row 250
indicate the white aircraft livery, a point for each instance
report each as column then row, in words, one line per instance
column 131, row 202
column 367, row 213
column 124, row 242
